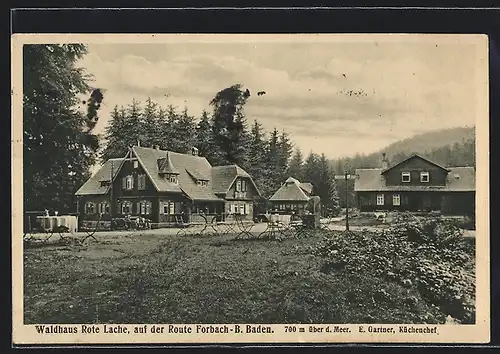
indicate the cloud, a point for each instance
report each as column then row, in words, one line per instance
column 406, row 88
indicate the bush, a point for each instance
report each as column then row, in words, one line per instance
column 429, row 254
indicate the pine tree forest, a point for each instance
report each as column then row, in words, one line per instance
column 60, row 145
column 222, row 135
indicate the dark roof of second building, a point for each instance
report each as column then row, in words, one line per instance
column 459, row 179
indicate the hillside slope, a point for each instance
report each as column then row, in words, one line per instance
column 428, row 141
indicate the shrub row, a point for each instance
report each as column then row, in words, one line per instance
column 427, row 253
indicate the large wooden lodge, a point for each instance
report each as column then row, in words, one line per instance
column 416, row 184
column 165, row 187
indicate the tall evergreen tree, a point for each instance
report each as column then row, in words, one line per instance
column 326, row 187
column 311, row 171
column 59, row 146
column 285, row 152
column 204, row 141
column 185, row 131
column 273, row 174
column 296, row 168
column 116, row 145
column 257, row 152
column 228, row 126
column 151, row 124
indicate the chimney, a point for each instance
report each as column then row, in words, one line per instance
column 385, row 161
column 194, row 151
column 156, row 147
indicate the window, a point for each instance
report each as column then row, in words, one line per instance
column 242, row 209
column 126, row 208
column 405, row 177
column 396, row 199
column 168, row 208
column 103, row 208
column 172, row 178
column 128, row 183
column 141, row 182
column 380, row 199
column 104, row 183
column 144, row 207
column 89, row 208
column 243, row 185
column 424, row 176
column 238, row 185
column 136, row 164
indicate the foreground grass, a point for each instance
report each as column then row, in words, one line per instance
column 163, row 279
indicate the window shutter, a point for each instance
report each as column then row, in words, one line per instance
column 124, row 183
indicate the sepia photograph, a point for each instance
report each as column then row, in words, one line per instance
column 250, row 188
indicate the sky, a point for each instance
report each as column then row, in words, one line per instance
column 404, row 87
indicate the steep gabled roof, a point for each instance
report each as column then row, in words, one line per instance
column 290, row 191
column 306, row 186
column 189, row 169
column 93, row 184
column 223, row 178
column 148, row 158
column 411, row 157
column 371, row 180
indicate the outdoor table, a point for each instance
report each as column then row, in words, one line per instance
column 277, row 226
column 245, row 228
column 228, row 224
column 60, row 224
column 209, row 224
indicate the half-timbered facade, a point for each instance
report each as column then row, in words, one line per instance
column 417, row 184
column 165, row 187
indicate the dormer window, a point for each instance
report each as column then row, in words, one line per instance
column 171, row 178
column 202, row 183
column 104, row 183
column 424, row 177
column 405, row 177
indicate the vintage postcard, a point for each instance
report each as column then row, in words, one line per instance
column 313, row 188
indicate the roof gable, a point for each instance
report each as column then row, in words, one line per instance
column 223, row 178
column 414, row 156
column 148, row 158
column 93, row 185
column 307, row 187
column 290, row 191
